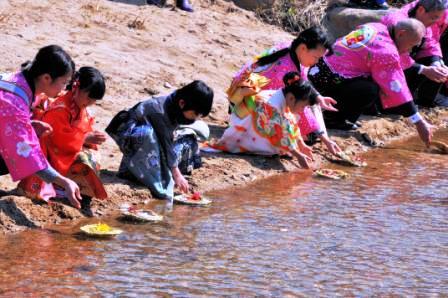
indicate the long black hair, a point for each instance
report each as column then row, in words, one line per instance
column 311, row 37
column 52, row 60
column 90, row 80
column 301, row 89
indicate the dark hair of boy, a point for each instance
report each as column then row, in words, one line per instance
column 197, row 97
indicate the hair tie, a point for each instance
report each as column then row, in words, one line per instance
column 296, row 78
column 75, row 84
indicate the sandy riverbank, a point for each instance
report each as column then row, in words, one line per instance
column 141, row 50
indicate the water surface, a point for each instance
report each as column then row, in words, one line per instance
column 382, row 231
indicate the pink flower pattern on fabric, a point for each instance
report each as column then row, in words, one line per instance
column 19, row 145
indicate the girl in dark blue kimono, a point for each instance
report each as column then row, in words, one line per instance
column 145, row 134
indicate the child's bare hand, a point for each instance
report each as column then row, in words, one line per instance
column 95, row 138
column 182, row 183
column 41, row 128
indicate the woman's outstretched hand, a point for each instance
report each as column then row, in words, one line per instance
column 327, row 103
column 331, row 145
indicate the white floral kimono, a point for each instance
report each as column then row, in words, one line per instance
column 269, row 129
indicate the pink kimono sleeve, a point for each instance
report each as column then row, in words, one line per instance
column 406, row 61
column 308, row 122
column 387, row 73
column 19, row 147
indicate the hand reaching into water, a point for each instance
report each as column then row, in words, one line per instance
column 180, row 180
column 331, row 145
column 72, row 191
column 424, row 130
column 304, row 161
column 306, row 150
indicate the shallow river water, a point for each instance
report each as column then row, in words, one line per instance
column 382, row 231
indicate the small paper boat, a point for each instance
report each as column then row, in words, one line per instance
column 351, row 160
column 191, row 200
column 141, row 215
column 331, row 174
column 100, row 230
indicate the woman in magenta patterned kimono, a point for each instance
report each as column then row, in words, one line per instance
column 427, row 73
column 366, row 64
column 303, row 52
column 20, row 151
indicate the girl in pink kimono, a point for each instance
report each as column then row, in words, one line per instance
column 303, row 52
column 427, row 73
column 20, row 151
column 366, row 64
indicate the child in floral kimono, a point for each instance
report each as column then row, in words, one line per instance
column 302, row 53
column 67, row 147
column 269, row 125
column 20, row 151
column 427, row 73
column 145, row 135
column 366, row 65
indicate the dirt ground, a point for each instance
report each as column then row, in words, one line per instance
column 145, row 50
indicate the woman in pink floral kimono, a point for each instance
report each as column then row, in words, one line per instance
column 302, row 53
column 20, row 151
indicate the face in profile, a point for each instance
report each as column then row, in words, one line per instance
column 294, row 105
column 405, row 41
column 309, row 57
column 428, row 18
column 52, row 87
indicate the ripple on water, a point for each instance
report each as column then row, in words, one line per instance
column 383, row 231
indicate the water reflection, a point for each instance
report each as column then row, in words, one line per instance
column 383, row 231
